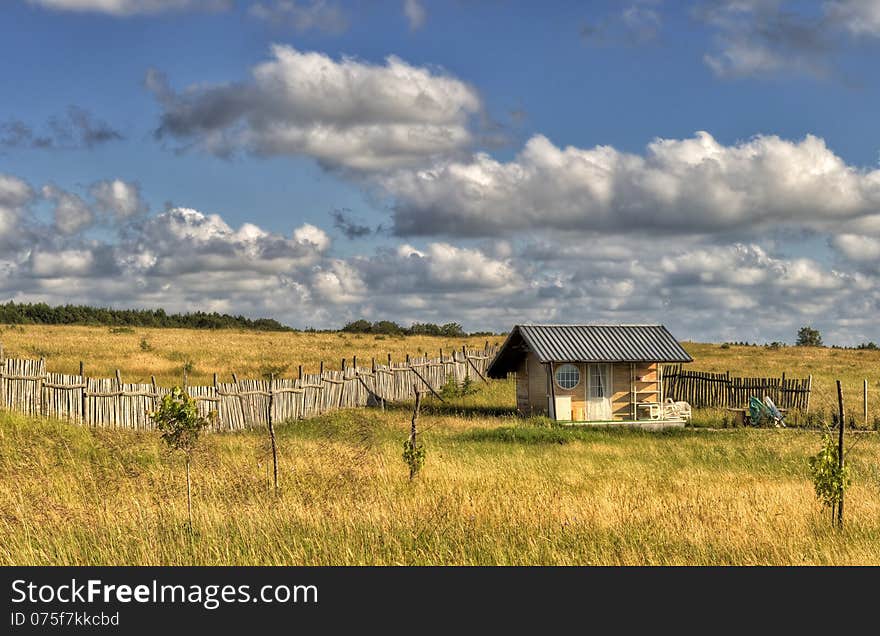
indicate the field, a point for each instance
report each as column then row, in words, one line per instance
column 495, row 489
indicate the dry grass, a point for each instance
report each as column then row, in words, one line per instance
column 495, row 489
column 852, row 367
column 249, row 354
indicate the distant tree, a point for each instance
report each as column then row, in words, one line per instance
column 387, row 327
column 358, row 326
column 452, row 330
column 809, row 337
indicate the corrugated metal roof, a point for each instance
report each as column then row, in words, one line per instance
column 589, row 343
column 603, row 343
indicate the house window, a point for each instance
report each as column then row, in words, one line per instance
column 598, row 380
column 568, row 376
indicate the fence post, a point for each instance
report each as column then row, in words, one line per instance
column 842, row 424
column 865, row 392
column 272, row 433
column 809, row 391
column 2, row 380
column 83, row 385
column 38, row 396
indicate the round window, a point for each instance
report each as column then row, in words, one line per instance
column 568, row 376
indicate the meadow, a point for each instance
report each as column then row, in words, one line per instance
column 495, row 488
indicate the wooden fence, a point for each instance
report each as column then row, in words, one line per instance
column 719, row 390
column 26, row 387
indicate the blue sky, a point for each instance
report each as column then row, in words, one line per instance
column 478, row 162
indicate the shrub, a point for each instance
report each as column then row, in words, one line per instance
column 179, row 424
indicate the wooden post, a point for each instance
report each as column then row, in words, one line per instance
column 300, row 372
column 865, row 395
column 155, row 393
column 412, row 430
column 842, row 425
column 809, row 391
column 82, row 396
column 184, row 377
column 389, row 361
column 2, row 373
column 272, row 433
column 38, row 397
column 552, row 393
column 471, row 363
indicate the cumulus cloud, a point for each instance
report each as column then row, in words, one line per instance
column 122, row 8
column 317, row 15
column 15, row 195
column 686, row 186
column 71, row 213
column 185, row 259
column 344, row 113
column 415, row 14
column 119, row 198
column 77, row 129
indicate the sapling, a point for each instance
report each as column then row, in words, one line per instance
column 830, row 475
column 180, row 425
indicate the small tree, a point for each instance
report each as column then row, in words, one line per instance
column 809, row 337
column 830, row 475
column 180, row 425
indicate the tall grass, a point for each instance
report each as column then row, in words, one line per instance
column 494, row 490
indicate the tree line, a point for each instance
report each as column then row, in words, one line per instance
column 12, row 313
column 389, row 328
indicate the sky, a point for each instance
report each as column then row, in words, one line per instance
column 713, row 166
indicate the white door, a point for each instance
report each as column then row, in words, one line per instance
column 598, row 392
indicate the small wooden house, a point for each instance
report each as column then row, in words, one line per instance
column 588, row 373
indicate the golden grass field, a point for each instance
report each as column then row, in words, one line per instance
column 249, row 354
column 495, row 489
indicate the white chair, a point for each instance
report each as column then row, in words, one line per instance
column 673, row 410
column 654, row 410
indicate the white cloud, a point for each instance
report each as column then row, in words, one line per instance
column 131, row 7
column 317, row 15
column 15, row 194
column 686, row 186
column 858, row 248
column 860, row 17
column 415, row 14
column 63, row 263
column 72, row 214
column 344, row 113
column 119, row 198
column 309, row 234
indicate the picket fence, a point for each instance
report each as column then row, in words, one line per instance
column 702, row 389
column 26, row 387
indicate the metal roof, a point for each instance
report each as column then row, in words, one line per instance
column 588, row 343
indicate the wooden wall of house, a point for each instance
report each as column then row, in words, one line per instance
column 532, row 387
column 621, row 408
column 522, row 388
column 538, row 386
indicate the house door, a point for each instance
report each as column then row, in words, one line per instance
column 599, row 392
